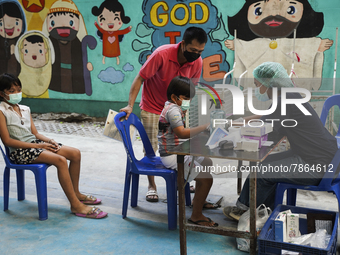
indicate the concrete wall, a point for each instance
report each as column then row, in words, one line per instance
column 64, row 70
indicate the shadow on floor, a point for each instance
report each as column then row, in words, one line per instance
column 64, row 233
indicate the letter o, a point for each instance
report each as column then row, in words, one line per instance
column 173, row 17
column 282, row 122
column 255, row 120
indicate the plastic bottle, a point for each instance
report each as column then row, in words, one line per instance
column 217, row 118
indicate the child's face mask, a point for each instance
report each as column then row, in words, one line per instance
column 185, row 104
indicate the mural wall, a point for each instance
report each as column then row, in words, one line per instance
column 92, row 50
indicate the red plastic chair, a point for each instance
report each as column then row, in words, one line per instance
column 148, row 165
column 39, row 171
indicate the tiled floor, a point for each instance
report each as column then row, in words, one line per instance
column 145, row 229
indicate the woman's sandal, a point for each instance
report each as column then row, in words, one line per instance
column 91, row 200
column 94, row 213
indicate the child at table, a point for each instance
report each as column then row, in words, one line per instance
column 172, row 133
column 26, row 145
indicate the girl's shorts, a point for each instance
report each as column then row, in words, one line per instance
column 171, row 162
column 27, row 156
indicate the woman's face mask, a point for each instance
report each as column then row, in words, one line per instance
column 262, row 97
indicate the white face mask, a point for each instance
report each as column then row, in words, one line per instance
column 14, row 98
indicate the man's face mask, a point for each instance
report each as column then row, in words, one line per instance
column 191, row 56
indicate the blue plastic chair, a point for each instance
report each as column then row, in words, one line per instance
column 148, row 165
column 39, row 171
column 329, row 103
column 328, row 183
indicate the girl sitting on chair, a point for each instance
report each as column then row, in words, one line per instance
column 26, row 145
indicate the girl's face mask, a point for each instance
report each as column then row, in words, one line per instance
column 14, row 98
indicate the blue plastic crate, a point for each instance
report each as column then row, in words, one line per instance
column 266, row 240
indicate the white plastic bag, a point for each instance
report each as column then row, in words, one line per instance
column 262, row 214
column 319, row 239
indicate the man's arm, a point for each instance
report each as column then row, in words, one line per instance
column 135, row 87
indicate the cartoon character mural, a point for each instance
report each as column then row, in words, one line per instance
column 65, row 26
column 12, row 26
column 35, row 53
column 111, row 17
column 265, row 31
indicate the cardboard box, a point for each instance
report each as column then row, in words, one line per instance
column 261, row 139
column 292, row 225
column 257, row 131
column 280, row 225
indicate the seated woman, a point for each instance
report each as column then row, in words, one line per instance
column 311, row 145
column 18, row 132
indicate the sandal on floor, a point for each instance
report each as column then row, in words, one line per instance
column 208, row 205
column 94, row 213
column 202, row 221
column 192, row 189
column 91, row 200
column 150, row 195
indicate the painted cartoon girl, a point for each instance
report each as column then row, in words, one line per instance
column 12, row 26
column 111, row 17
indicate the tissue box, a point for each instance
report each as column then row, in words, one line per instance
column 280, row 225
column 292, row 225
column 257, row 131
column 250, row 145
column 261, row 139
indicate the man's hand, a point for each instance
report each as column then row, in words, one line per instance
column 128, row 110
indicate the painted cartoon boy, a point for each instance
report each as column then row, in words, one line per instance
column 66, row 29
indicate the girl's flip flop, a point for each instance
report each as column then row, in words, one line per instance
column 91, row 200
column 94, row 213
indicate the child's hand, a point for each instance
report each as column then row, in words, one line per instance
column 49, row 146
column 56, row 145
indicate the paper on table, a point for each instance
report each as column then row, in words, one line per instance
column 215, row 137
column 267, row 143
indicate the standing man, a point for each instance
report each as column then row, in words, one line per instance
column 165, row 63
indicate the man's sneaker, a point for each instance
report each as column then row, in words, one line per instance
column 233, row 212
